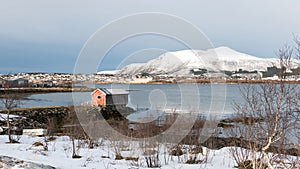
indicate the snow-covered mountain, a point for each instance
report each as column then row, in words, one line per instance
column 218, row 59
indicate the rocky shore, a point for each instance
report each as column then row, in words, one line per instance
column 44, row 90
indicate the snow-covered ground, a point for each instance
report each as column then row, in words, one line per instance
column 11, row 163
column 59, row 153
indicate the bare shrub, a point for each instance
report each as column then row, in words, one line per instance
column 10, row 102
column 74, row 130
column 277, row 105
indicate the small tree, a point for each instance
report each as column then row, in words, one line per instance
column 269, row 118
column 10, row 102
column 75, row 132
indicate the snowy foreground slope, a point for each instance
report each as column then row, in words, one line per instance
column 218, row 59
column 59, row 152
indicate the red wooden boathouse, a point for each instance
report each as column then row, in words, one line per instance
column 104, row 97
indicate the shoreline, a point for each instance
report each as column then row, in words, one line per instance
column 89, row 89
column 44, row 90
column 209, row 81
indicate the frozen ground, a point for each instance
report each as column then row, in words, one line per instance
column 10, row 162
column 58, row 155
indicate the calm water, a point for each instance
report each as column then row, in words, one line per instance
column 203, row 98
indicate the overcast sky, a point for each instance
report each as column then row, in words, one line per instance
column 47, row 36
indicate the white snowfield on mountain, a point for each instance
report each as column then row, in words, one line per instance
column 218, row 59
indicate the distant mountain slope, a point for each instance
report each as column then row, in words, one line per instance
column 218, row 59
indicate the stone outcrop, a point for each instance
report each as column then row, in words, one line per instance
column 10, row 162
column 39, row 117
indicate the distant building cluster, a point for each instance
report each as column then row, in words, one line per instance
column 43, row 80
column 34, row 80
column 66, row 80
column 252, row 75
column 272, row 71
column 13, row 82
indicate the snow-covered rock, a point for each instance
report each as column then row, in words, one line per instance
column 10, row 163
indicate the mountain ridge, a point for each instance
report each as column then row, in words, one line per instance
column 216, row 59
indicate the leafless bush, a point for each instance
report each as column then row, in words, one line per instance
column 75, row 132
column 278, row 107
column 10, row 102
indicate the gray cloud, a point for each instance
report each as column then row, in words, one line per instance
column 56, row 30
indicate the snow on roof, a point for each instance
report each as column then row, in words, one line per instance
column 117, row 91
column 112, row 91
column 104, row 90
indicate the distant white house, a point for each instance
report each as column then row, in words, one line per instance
column 141, row 79
column 107, row 72
column 35, row 132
